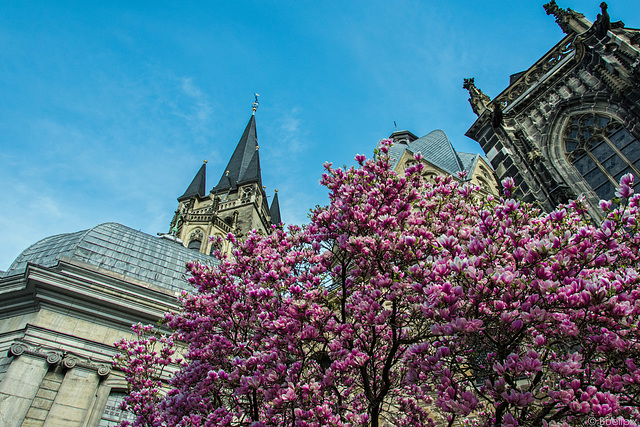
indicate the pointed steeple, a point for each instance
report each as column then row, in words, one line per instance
column 244, row 165
column 198, row 185
column 274, row 210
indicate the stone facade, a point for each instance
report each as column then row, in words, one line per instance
column 569, row 125
column 57, row 329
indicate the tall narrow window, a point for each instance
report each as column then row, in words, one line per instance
column 113, row 415
column 602, row 150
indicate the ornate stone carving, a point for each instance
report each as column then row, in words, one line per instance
column 568, row 19
column 535, row 73
column 104, row 370
column 479, row 100
column 247, row 192
column 618, row 85
column 70, row 362
column 54, row 357
column 17, row 349
column 603, row 22
column 196, row 234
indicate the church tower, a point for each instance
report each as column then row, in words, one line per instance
column 569, row 125
column 236, row 204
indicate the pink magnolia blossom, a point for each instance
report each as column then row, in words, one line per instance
column 407, row 302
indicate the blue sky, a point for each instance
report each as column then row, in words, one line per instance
column 107, row 109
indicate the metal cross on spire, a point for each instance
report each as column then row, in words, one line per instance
column 255, row 103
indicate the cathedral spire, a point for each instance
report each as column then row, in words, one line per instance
column 244, row 165
column 198, row 185
column 570, row 21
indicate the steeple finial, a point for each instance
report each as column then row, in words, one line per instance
column 255, row 104
column 479, row 100
column 570, row 21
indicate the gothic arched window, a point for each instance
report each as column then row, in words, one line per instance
column 601, row 150
column 195, row 245
column 195, row 239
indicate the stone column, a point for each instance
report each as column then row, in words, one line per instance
column 76, row 394
column 20, row 384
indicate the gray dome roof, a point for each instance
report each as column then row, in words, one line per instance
column 118, row 249
column 435, row 148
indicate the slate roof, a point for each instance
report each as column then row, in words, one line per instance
column 118, row 249
column 468, row 160
column 244, row 165
column 197, row 186
column 435, row 148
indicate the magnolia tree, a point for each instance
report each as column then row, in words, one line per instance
column 407, row 302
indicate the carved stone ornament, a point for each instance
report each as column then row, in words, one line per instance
column 104, row 370
column 70, row 362
column 479, row 100
column 563, row 17
column 196, row 234
column 17, row 349
column 54, row 357
column 533, row 75
column 603, row 22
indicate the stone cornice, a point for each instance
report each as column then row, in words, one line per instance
column 569, row 50
column 72, row 287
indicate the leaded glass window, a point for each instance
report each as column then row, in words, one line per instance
column 602, row 150
column 113, row 415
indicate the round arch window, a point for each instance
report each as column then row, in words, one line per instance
column 601, row 150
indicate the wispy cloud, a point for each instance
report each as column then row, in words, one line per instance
column 199, row 112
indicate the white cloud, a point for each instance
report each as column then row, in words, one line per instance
column 197, row 111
